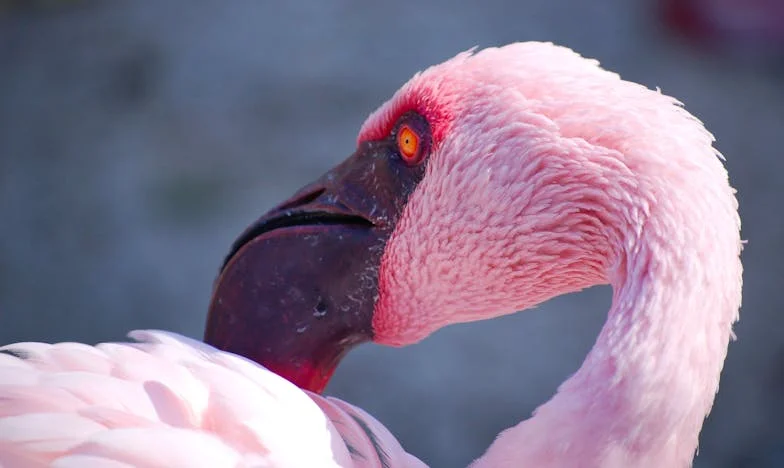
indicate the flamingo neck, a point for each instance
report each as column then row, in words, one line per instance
column 645, row 388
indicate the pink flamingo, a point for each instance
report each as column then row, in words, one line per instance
column 486, row 185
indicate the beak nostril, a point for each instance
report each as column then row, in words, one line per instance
column 304, row 199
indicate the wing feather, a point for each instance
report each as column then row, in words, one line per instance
column 168, row 400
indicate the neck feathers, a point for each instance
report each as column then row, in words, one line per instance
column 644, row 390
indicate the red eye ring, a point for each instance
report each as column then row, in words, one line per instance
column 409, row 144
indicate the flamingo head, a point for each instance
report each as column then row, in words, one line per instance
column 485, row 185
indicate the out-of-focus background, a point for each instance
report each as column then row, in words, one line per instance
column 137, row 139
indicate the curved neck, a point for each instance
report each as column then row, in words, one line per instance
column 643, row 391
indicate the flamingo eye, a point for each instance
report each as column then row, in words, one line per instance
column 408, row 144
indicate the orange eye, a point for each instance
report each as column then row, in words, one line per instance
column 408, row 144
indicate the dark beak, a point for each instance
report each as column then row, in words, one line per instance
column 298, row 289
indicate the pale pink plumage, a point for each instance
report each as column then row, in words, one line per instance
column 547, row 175
column 171, row 401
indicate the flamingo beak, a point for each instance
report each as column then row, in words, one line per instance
column 298, row 289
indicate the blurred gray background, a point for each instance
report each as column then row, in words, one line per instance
column 137, row 139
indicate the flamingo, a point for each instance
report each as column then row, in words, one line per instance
column 486, row 185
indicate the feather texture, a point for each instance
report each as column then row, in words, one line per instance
column 168, row 400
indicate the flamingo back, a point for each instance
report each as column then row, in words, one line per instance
column 168, row 400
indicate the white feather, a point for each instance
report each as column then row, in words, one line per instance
column 166, row 401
